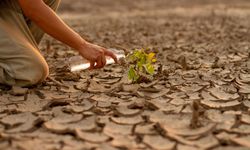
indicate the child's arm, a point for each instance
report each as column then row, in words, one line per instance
column 49, row 22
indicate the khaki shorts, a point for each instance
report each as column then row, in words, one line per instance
column 21, row 63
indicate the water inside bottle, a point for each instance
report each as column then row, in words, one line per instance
column 78, row 63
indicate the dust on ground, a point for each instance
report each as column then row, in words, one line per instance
column 198, row 100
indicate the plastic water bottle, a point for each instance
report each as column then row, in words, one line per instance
column 78, row 63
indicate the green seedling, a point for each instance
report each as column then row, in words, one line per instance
column 141, row 65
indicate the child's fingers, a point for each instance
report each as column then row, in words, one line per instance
column 110, row 54
column 92, row 65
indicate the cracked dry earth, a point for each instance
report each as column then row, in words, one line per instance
column 198, row 100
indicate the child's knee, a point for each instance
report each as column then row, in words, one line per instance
column 39, row 71
column 26, row 73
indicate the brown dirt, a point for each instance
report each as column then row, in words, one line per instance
column 200, row 100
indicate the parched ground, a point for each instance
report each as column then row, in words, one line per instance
column 199, row 98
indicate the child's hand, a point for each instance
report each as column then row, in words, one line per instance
column 96, row 55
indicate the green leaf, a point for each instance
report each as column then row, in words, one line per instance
column 132, row 75
column 151, row 56
column 138, row 54
column 149, row 68
column 154, row 60
column 132, row 58
column 139, row 65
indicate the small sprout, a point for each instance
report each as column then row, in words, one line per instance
column 141, row 64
